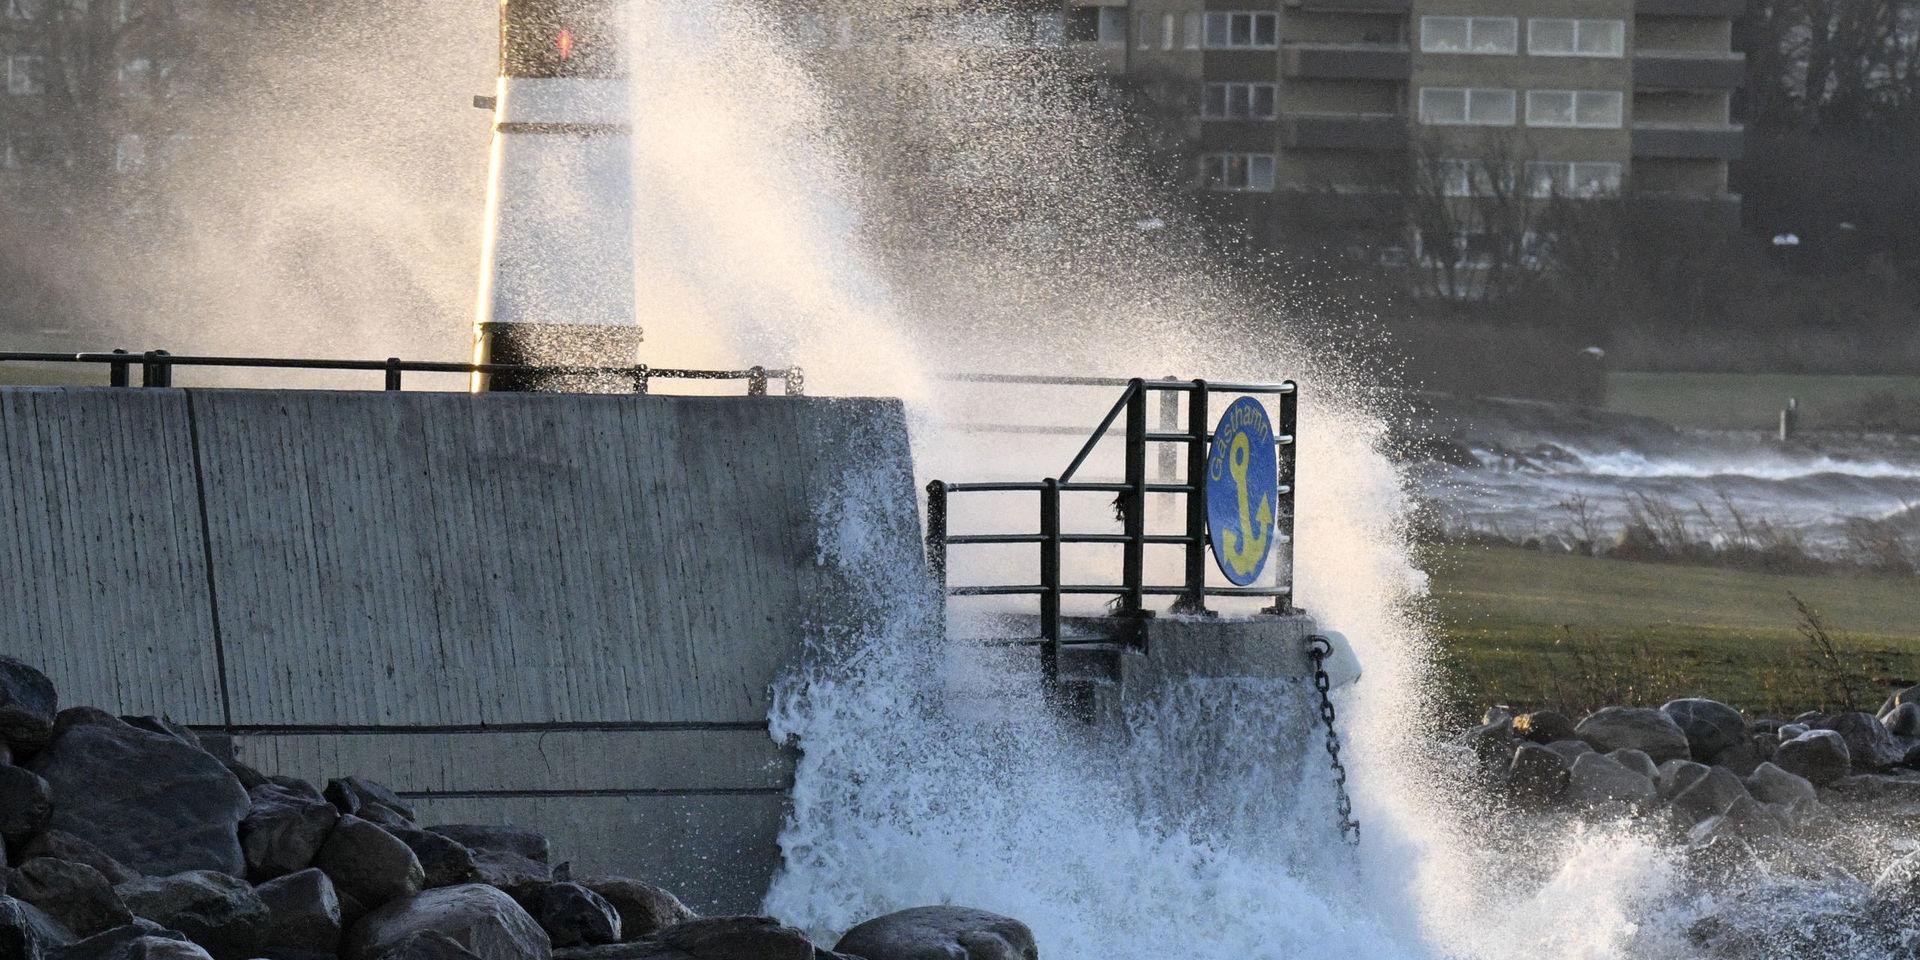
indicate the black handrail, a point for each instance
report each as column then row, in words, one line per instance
column 1131, row 593
column 156, row 367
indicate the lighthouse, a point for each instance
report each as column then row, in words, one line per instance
column 556, row 272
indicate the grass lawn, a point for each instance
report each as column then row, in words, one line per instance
column 1532, row 628
column 1744, row 401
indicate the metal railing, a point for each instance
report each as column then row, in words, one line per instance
column 1132, row 591
column 157, row 366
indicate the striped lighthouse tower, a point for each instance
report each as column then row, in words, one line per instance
column 556, row 272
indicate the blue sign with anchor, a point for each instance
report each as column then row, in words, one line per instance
column 1243, row 490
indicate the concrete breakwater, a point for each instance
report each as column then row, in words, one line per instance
column 552, row 610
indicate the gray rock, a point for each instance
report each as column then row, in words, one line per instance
column 1491, row 744
column 134, row 940
column 1742, row 758
column 370, row 864
column 1707, row 797
column 283, row 831
column 1912, row 757
column 147, row 800
column 1821, row 756
column 1636, row 761
column 248, row 776
column 165, row 727
column 1709, row 725
column 1904, row 721
column 1898, row 882
column 1496, row 714
column 1538, row 774
column 575, row 916
column 951, row 933
column 304, row 912
column 215, row 910
column 1878, row 788
column 509, row 871
column 643, row 907
column 717, row 938
column 26, row 804
column 1770, row 784
column 28, row 704
column 1677, row 775
column 350, row 794
column 1788, row 731
column 428, row 945
column 1810, row 718
column 478, row 917
column 1543, row 726
column 1745, row 818
column 445, row 861
column 525, row 843
column 1868, row 743
column 1570, row 749
column 62, row 845
column 1649, row 731
column 1598, row 779
column 27, row 932
column 72, row 893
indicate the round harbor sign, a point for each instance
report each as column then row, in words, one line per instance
column 1243, row 490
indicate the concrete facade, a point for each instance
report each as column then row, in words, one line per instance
column 563, row 611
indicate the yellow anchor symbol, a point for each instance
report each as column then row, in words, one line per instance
column 1243, row 550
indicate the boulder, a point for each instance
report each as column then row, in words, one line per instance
column 1491, row 745
column 1770, row 784
column 445, row 861
column 150, row 801
column 215, row 910
column 1570, row 749
column 525, row 843
column 480, row 918
column 283, row 831
column 26, row 804
column 305, row 915
column 1821, row 756
column 352, row 794
column 1497, row 714
column 28, row 705
column 1788, row 731
column 1597, row 779
column 1707, row 797
column 165, row 727
column 1538, row 774
column 1543, row 726
column 1636, row 761
column 136, row 940
column 643, row 907
column 1745, row 819
column 575, row 916
column 27, row 932
column 1869, row 744
column 952, row 933
column 248, row 776
column 428, row 945
column 1677, row 775
column 1904, row 721
column 1912, row 758
column 1649, row 731
column 62, row 845
column 370, row 864
column 1709, row 725
column 72, row 893
column 509, row 871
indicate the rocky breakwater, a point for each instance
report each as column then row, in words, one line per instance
column 1757, row 805
column 125, row 839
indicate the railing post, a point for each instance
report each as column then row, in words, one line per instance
column 1050, row 580
column 795, row 382
column 757, row 382
column 155, row 371
column 937, row 536
column 641, row 377
column 393, row 373
column 1133, row 502
column 1289, row 457
column 1195, row 598
column 1169, row 422
column 117, row 370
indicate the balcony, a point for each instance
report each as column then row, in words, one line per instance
column 1689, row 141
column 1353, row 6
column 1347, row 61
column 1364, row 132
column 1688, row 70
column 1717, row 9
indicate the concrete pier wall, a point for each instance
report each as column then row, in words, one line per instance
column 557, row 610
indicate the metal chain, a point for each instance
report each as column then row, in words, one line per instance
column 1318, row 649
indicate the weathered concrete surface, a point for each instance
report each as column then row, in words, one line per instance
column 562, row 611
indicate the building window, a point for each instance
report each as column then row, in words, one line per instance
column 1599, row 109
column 1469, row 35
column 22, row 9
column 1239, row 101
column 1466, row 107
column 1104, row 25
column 129, row 153
column 30, row 150
column 1576, row 38
column 1238, row 172
column 1552, row 178
column 26, row 74
column 1166, row 31
column 1194, row 29
column 1466, row 178
column 1239, row 31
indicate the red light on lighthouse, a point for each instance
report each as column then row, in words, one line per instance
column 563, row 44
